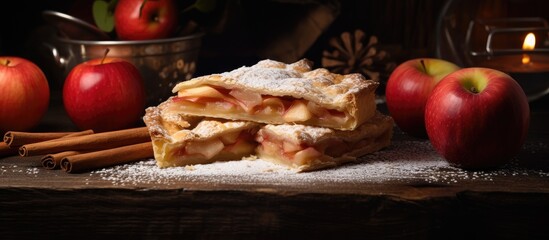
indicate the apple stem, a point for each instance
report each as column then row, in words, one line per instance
column 7, row 62
column 105, row 56
column 423, row 65
column 141, row 8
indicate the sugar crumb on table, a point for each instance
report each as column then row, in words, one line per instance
column 402, row 161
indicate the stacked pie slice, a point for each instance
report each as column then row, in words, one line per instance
column 289, row 114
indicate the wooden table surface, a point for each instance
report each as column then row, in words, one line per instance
column 403, row 192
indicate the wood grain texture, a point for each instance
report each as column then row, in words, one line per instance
column 36, row 203
column 251, row 215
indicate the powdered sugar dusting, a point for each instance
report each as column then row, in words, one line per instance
column 404, row 161
column 292, row 80
column 297, row 132
column 313, row 134
column 296, row 80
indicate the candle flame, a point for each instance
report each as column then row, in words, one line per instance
column 529, row 44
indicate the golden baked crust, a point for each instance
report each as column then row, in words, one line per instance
column 173, row 135
column 330, row 147
column 351, row 95
column 289, row 114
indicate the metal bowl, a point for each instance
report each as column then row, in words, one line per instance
column 162, row 62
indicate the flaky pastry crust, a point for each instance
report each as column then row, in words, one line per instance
column 352, row 94
column 371, row 136
column 171, row 132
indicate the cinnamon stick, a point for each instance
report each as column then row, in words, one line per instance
column 16, row 139
column 107, row 158
column 53, row 161
column 6, row 150
column 92, row 142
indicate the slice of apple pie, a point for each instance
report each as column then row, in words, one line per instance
column 180, row 140
column 305, row 148
column 277, row 93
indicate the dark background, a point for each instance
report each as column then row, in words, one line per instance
column 242, row 32
column 239, row 31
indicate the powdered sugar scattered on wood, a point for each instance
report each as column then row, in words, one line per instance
column 405, row 161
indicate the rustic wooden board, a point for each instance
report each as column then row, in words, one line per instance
column 435, row 203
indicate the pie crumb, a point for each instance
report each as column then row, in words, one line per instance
column 190, row 168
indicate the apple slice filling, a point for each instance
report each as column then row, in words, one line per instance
column 237, row 101
column 288, row 152
column 201, row 92
column 247, row 100
column 291, row 153
column 298, row 153
column 298, row 112
column 208, row 149
column 236, row 143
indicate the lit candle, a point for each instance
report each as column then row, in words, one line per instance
column 525, row 62
column 532, row 73
column 528, row 45
column 535, row 84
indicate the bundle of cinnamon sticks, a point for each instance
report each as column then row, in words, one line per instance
column 80, row 151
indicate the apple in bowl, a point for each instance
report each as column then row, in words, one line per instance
column 408, row 88
column 477, row 118
column 145, row 20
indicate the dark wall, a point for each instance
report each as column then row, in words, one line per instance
column 19, row 20
column 250, row 28
column 243, row 31
column 255, row 22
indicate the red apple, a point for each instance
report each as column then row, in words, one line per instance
column 143, row 20
column 477, row 118
column 408, row 88
column 24, row 94
column 104, row 94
